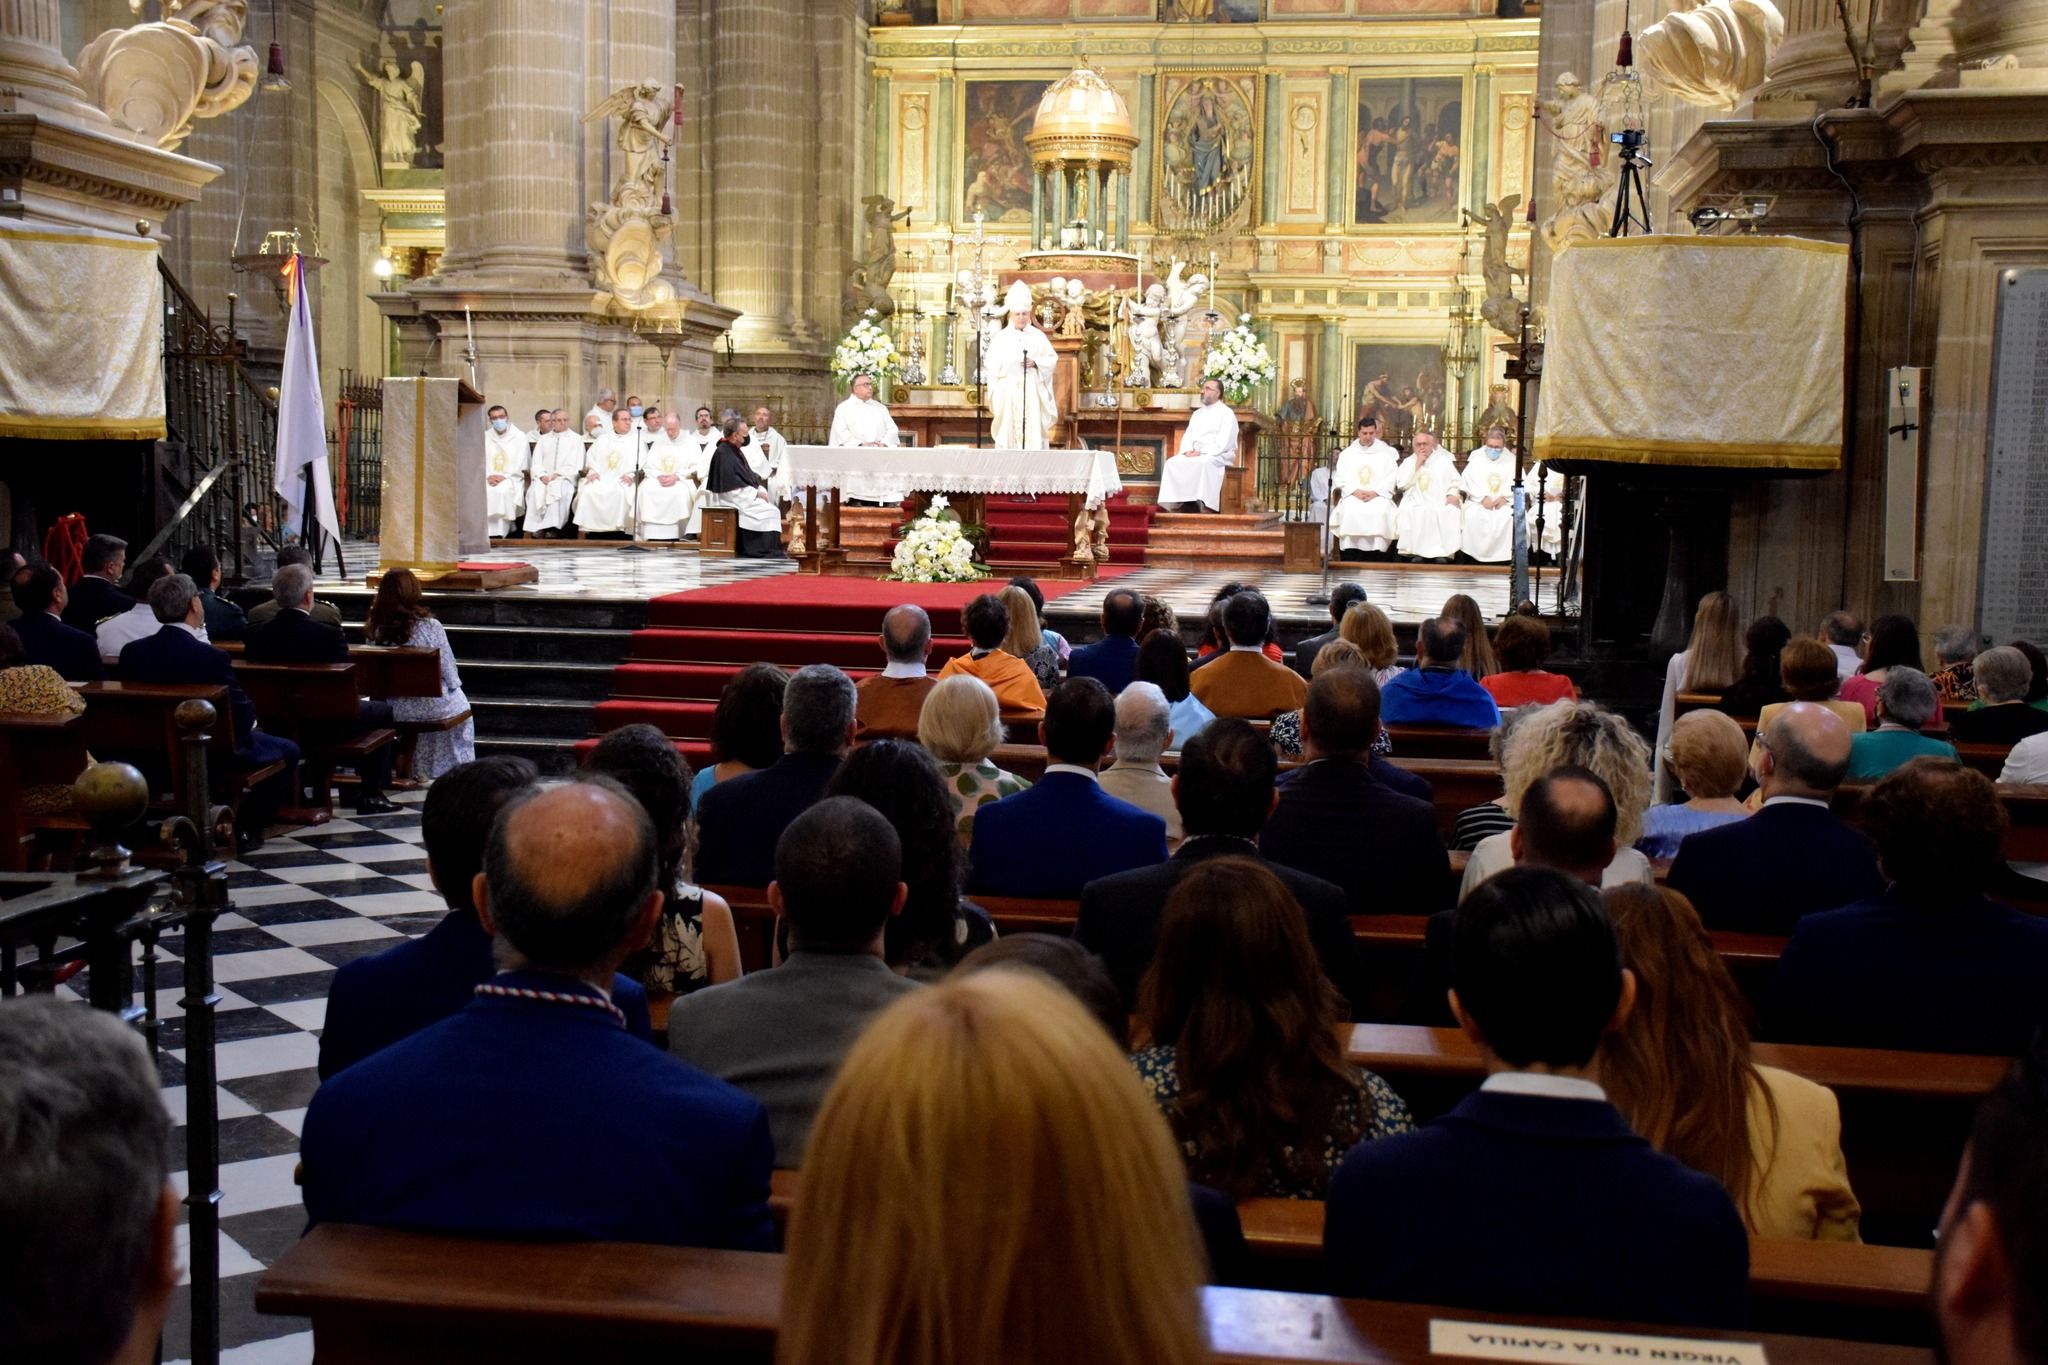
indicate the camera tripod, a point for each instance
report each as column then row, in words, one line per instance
column 1631, row 200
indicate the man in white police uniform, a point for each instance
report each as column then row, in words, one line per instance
column 1020, row 367
column 1192, row 480
column 1365, row 484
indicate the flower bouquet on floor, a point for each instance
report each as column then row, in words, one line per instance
column 935, row 549
column 865, row 349
column 1238, row 360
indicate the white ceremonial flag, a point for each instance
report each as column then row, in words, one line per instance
column 301, row 428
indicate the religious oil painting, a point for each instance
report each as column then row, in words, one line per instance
column 1208, row 150
column 1402, row 384
column 1208, row 11
column 1406, row 156
column 995, row 166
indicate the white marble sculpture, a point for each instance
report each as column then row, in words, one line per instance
column 1141, row 324
column 1714, row 53
column 401, row 110
column 1500, row 307
column 1183, row 296
column 626, row 235
column 156, row 79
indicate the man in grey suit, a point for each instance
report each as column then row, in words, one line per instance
column 780, row 1035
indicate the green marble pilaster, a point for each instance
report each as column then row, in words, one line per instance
column 1478, row 136
column 948, row 172
column 1276, row 144
column 885, row 134
column 1037, row 205
column 1123, row 211
column 1330, row 395
column 1148, row 89
column 1343, row 192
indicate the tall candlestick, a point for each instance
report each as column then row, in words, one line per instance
column 1212, row 280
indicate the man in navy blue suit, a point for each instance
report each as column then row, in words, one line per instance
column 294, row 637
column 96, row 595
column 1065, row 831
column 1933, row 964
column 1795, row 855
column 377, row 1001
column 1112, row 660
column 740, row 819
column 40, row 594
column 534, row 1112
column 1533, row 1195
column 177, row 655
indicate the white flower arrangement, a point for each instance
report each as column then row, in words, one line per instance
column 1239, row 361
column 935, row 550
column 865, row 349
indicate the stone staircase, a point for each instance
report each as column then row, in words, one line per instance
column 1183, row 540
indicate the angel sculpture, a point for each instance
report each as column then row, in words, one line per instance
column 1182, row 296
column 643, row 112
column 401, row 110
column 157, row 79
column 1500, row 307
column 1142, row 328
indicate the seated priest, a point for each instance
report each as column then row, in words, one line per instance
column 1489, row 487
column 605, row 502
column 668, row 493
column 557, row 467
column 1432, row 524
column 733, row 483
column 294, row 637
column 859, row 420
column 1364, row 524
column 1192, row 481
column 507, row 453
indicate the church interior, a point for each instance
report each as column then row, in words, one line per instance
column 1461, row 575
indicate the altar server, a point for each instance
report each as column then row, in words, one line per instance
column 732, row 482
column 1365, row 485
column 506, row 455
column 605, row 502
column 768, row 453
column 1489, row 486
column 557, row 465
column 1193, row 479
column 670, row 482
column 861, row 421
column 1019, row 366
column 1430, row 519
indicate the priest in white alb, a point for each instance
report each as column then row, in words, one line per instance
column 605, row 502
column 1364, row 522
column 767, row 453
column 1192, row 480
column 859, row 420
column 557, row 466
column 699, row 442
column 506, row 453
column 1431, row 518
column 1019, row 370
column 1489, row 487
column 667, row 495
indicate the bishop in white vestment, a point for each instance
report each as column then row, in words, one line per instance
column 667, row 495
column 1207, row 448
column 557, row 465
column 1019, row 372
column 861, row 421
column 605, row 502
column 1489, row 486
column 506, row 453
column 1431, row 519
column 1365, row 484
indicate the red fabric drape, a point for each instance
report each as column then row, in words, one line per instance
column 64, row 547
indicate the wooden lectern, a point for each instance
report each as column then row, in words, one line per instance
column 433, row 515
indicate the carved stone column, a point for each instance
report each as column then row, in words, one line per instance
column 1814, row 62
column 32, row 61
column 765, row 131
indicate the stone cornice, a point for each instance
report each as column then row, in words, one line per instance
column 1306, row 42
column 102, row 172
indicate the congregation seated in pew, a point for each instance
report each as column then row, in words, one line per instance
column 117, row 632
column 399, row 617
column 1902, row 703
column 740, row 819
column 1017, row 689
column 1707, row 759
column 746, row 727
column 35, row 690
column 1112, row 660
column 1163, row 662
column 2003, row 678
column 324, row 612
column 39, row 595
column 534, row 1112
column 960, row 726
column 1438, row 690
column 224, row 620
column 96, row 595
column 1242, row 680
column 1144, row 727
column 890, row 701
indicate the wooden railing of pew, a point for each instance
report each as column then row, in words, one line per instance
column 1988, row 759
column 402, row 1298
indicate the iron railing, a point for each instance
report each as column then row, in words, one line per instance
column 356, row 449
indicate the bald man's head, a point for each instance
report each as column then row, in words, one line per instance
column 1566, row 820
column 568, row 883
column 907, row 634
column 1805, row 752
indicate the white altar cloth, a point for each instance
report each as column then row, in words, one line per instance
column 890, row 475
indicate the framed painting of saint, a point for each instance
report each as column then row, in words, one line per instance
column 995, row 166
column 1208, row 11
column 1206, row 167
column 1400, row 383
column 1407, row 154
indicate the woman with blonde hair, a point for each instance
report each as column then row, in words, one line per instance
column 1710, row 662
column 1681, row 1071
column 988, row 1182
column 1480, row 660
column 1027, row 639
column 960, row 725
column 1708, row 758
column 1578, row 734
column 1367, row 627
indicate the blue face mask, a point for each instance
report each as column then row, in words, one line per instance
column 498, row 425
column 637, row 409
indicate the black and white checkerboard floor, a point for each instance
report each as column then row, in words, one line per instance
column 304, row 904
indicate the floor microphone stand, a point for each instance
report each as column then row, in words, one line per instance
column 1321, row 596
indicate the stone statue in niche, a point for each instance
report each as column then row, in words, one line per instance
column 1714, row 53
column 157, row 79
column 401, row 110
column 1500, row 307
column 626, row 234
column 868, row 282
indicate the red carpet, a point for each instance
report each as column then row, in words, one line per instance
column 696, row 641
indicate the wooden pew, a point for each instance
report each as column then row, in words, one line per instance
column 400, row 1298
column 136, row 723
column 1988, row 759
column 316, row 707
column 35, row 750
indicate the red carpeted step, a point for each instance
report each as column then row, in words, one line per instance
column 1050, row 552
column 676, row 719
column 792, row 649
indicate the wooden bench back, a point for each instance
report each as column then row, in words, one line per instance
column 387, row 671
column 289, row 696
column 141, row 717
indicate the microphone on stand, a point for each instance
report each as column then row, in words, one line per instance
column 1321, row 596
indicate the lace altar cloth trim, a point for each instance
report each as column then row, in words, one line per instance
column 878, row 474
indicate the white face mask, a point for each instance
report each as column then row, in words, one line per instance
column 498, row 425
